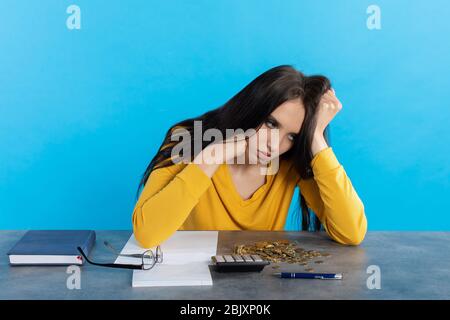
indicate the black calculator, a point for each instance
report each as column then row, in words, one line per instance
column 238, row 263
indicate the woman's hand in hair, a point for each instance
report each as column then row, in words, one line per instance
column 329, row 106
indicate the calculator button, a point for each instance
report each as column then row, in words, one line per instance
column 238, row 258
column 247, row 258
column 219, row 259
column 228, row 258
column 256, row 258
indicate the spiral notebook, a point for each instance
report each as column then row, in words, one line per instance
column 187, row 255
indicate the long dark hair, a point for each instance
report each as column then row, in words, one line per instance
column 315, row 87
column 248, row 109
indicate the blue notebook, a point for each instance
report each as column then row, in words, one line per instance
column 51, row 247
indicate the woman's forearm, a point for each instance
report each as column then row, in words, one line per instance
column 334, row 200
column 318, row 143
column 166, row 202
column 208, row 167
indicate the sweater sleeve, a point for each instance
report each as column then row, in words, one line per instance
column 333, row 199
column 166, row 201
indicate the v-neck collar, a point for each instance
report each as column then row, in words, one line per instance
column 257, row 194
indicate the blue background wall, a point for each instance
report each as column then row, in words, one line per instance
column 83, row 111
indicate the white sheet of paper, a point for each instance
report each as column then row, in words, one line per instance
column 187, row 255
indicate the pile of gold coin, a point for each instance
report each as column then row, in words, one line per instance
column 280, row 251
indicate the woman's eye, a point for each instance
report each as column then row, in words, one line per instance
column 291, row 137
column 270, row 124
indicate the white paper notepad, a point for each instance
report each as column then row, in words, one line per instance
column 187, row 255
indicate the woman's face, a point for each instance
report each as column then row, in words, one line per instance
column 287, row 119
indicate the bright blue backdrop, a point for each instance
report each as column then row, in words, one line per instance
column 83, row 111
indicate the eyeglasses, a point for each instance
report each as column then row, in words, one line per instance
column 147, row 258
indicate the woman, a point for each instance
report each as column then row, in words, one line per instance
column 200, row 194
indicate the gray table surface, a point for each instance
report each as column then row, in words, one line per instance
column 413, row 265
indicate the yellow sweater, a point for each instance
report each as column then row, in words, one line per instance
column 183, row 197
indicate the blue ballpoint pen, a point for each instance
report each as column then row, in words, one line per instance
column 299, row 275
